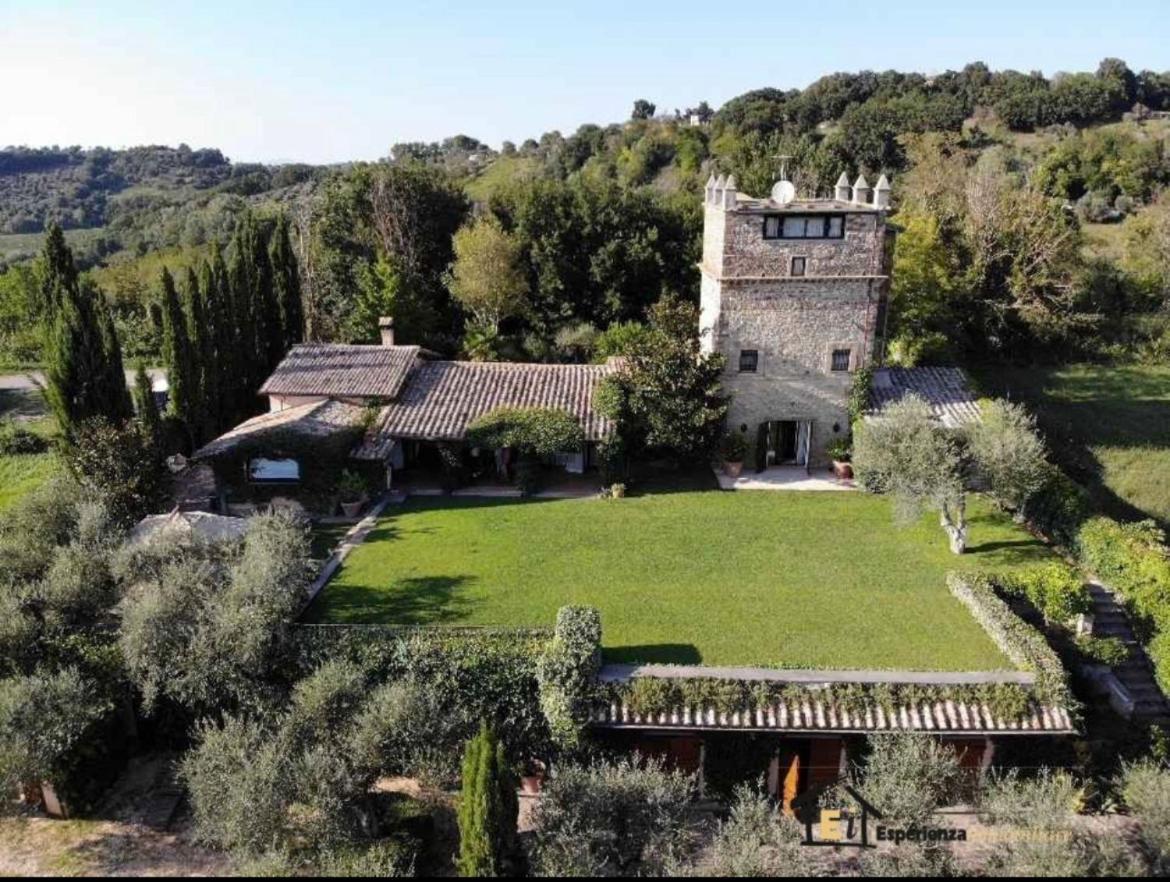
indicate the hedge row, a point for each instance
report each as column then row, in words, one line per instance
column 1018, row 640
column 1134, row 560
column 653, row 695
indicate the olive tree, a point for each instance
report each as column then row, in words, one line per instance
column 1008, row 452
column 906, row 452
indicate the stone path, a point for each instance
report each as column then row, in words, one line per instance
column 1136, row 675
column 355, row 537
column 783, row 478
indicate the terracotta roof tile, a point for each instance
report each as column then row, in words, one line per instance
column 345, row 370
column 443, row 397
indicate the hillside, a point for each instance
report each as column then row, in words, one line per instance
column 134, row 199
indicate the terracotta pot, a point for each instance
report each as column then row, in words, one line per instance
column 352, row 509
column 843, row 470
column 732, row 469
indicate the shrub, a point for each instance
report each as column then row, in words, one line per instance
column 487, row 808
column 733, row 447
column 1055, row 589
column 1018, row 640
column 1049, row 801
column 406, row 728
column 15, row 440
column 43, row 717
column 121, row 464
column 756, row 840
column 1111, row 651
column 350, row 486
column 1145, row 788
column 533, row 431
column 567, row 673
column 909, row 777
column 623, row 819
column 1058, row 507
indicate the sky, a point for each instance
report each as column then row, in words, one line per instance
column 343, row 80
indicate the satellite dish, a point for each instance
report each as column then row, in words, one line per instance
column 783, row 192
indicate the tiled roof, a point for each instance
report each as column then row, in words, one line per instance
column 318, row 419
column 212, row 527
column 813, row 715
column 342, row 370
column 443, row 397
column 945, row 389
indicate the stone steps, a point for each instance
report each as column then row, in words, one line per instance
column 1135, row 674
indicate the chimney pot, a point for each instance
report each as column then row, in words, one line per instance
column 386, row 327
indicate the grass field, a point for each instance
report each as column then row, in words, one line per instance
column 823, row 580
column 20, row 474
column 1109, row 426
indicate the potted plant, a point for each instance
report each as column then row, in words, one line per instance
column 352, row 490
column 733, row 449
column 840, row 451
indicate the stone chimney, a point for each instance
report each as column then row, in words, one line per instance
column 881, row 193
column 729, row 192
column 709, row 191
column 843, row 192
column 386, row 326
column 862, row 191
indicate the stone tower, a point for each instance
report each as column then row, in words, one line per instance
column 794, row 295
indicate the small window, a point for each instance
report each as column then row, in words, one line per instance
column 798, row 266
column 840, row 359
column 836, row 227
column 772, row 227
column 749, row 360
column 274, row 470
column 814, row 228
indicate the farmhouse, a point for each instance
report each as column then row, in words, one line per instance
column 390, row 407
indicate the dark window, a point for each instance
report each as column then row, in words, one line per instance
column 749, row 360
column 804, row 226
column 840, row 360
column 798, row 266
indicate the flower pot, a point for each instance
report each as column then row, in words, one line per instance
column 732, row 469
column 843, row 470
column 352, row 509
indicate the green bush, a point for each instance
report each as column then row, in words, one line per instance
column 488, row 808
column 1055, row 589
column 909, row 776
column 1111, row 651
column 756, row 840
column 15, row 440
column 733, row 447
column 1145, row 788
column 1048, row 801
column 567, row 672
column 534, row 430
column 613, row 819
column 1058, row 508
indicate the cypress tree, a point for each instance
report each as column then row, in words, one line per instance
column 83, row 362
column 176, row 351
column 196, row 325
column 209, row 308
column 487, row 808
column 145, row 404
column 287, row 284
column 244, row 285
column 227, row 353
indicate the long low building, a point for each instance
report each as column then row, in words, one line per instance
column 388, row 406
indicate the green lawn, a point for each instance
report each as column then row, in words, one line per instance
column 820, row 580
column 1109, row 426
column 21, row 474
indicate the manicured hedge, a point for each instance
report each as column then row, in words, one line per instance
column 1056, row 589
column 567, row 672
column 1018, row 640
